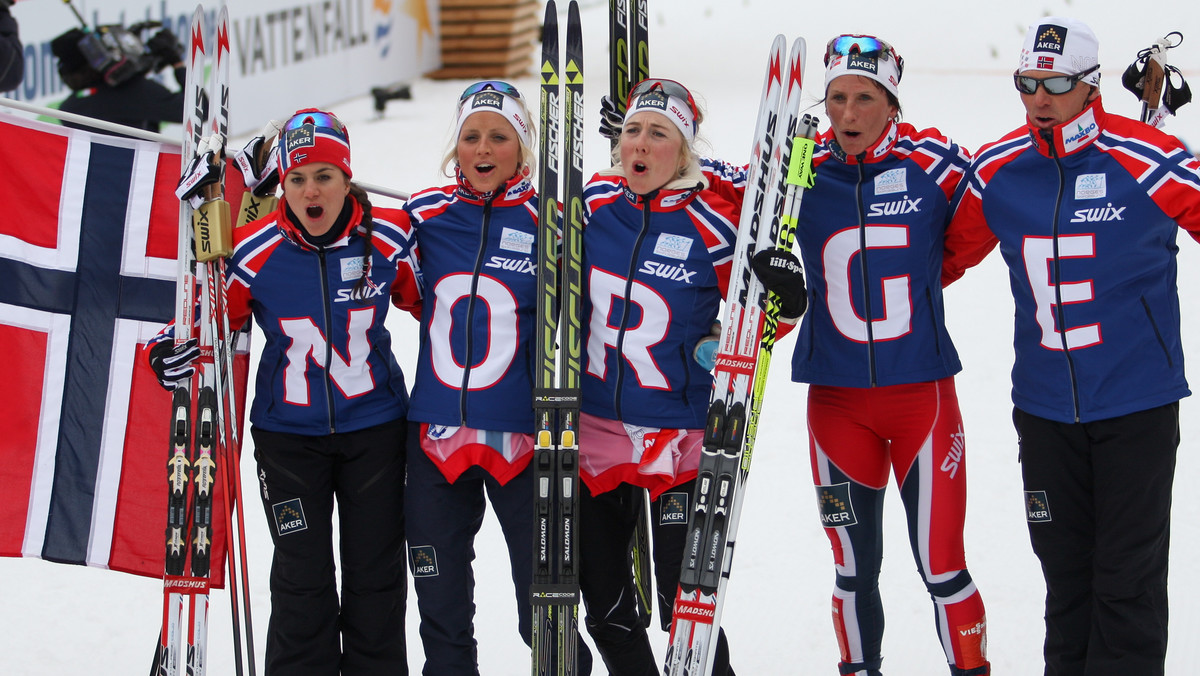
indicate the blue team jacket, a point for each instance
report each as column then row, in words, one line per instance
column 478, row 271
column 655, row 270
column 1087, row 223
column 870, row 234
column 327, row 365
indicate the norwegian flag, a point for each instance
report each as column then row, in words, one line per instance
column 88, row 232
column 1045, row 62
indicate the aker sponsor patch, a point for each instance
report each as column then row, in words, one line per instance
column 1037, row 506
column 673, row 509
column 834, row 506
column 289, row 517
column 422, row 560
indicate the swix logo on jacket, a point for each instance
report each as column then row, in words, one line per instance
column 327, row 365
column 478, row 278
column 870, row 235
column 656, row 270
column 1088, row 229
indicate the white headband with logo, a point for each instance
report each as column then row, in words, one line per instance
column 880, row 69
column 495, row 102
column 674, row 109
column 1061, row 45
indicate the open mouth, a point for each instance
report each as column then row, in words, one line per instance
column 314, row 211
column 639, row 167
column 484, row 169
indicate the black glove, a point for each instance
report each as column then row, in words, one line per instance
column 165, row 48
column 611, row 120
column 173, row 363
column 780, row 272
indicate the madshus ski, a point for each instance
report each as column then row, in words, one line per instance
column 556, row 396
column 780, row 169
column 204, row 412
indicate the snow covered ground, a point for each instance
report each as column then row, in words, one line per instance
column 61, row 619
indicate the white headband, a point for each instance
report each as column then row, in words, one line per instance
column 495, row 102
column 675, row 110
column 882, row 70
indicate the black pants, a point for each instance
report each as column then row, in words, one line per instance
column 312, row 632
column 443, row 519
column 1098, row 504
column 607, row 524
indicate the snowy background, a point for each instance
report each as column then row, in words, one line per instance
column 58, row 619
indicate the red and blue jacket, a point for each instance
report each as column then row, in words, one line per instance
column 870, row 232
column 327, row 365
column 1086, row 220
column 656, row 269
column 478, row 276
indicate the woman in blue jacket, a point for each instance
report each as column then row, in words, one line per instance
column 874, row 348
column 328, row 415
column 473, row 396
column 657, row 251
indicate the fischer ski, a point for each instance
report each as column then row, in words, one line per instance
column 779, row 170
column 629, row 63
column 556, row 397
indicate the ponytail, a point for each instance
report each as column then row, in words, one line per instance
column 368, row 226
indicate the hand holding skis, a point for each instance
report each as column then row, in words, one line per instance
column 172, row 363
column 780, row 272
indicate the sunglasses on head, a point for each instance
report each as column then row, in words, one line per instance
column 317, row 119
column 862, row 45
column 668, row 87
column 490, row 85
column 1059, row 84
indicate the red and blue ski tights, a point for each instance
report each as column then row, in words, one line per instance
column 856, row 436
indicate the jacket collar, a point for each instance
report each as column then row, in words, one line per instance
column 874, row 153
column 515, row 190
column 1073, row 135
column 668, row 198
column 292, row 231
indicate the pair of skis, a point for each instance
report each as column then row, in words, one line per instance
column 556, row 395
column 628, row 64
column 204, row 412
column 780, row 170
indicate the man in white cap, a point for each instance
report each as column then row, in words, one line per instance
column 1086, row 207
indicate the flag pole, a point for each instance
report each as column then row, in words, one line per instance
column 152, row 136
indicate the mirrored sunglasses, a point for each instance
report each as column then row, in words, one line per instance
column 863, row 45
column 1059, row 84
column 489, row 85
column 317, row 119
column 668, row 87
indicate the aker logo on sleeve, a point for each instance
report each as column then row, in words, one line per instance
column 834, row 506
column 673, row 509
column 1037, row 507
column 289, row 517
column 422, row 559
